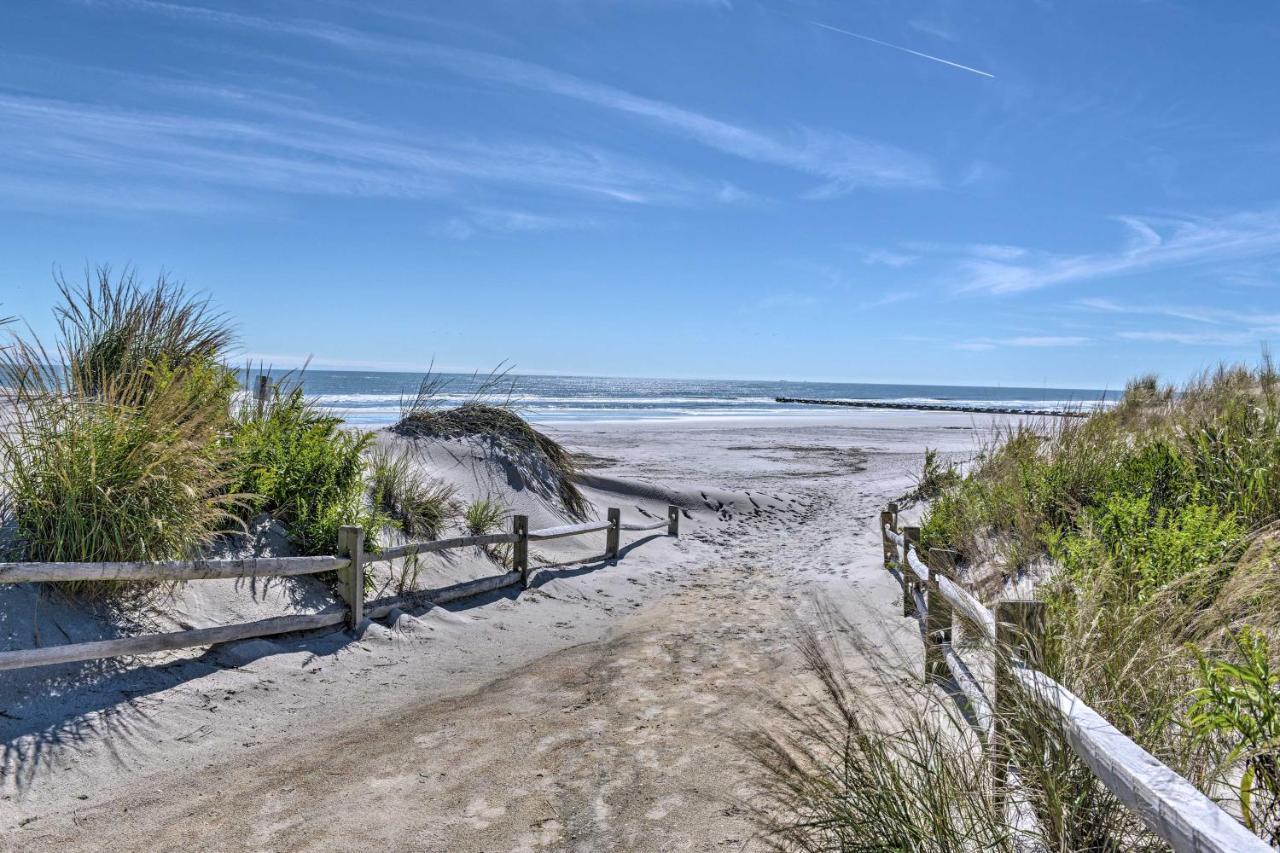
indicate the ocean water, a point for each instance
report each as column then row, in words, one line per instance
column 365, row 398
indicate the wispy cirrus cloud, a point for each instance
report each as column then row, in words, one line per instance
column 1210, row 325
column 1152, row 243
column 842, row 161
column 1210, row 314
column 891, row 298
column 1226, row 338
column 887, row 258
column 1037, row 341
column 501, row 221
column 303, row 152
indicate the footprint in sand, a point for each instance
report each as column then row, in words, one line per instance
column 664, row 807
column 479, row 814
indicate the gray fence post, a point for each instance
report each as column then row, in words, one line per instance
column 1020, row 635
column 673, row 520
column 520, row 548
column 938, row 622
column 909, row 582
column 890, row 550
column 260, row 395
column 351, row 588
column 612, row 535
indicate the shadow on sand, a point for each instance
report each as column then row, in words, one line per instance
column 110, row 702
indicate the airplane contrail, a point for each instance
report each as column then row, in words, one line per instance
column 901, row 48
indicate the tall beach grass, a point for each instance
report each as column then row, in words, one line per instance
column 112, row 448
column 1151, row 531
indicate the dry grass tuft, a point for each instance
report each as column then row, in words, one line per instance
column 489, row 416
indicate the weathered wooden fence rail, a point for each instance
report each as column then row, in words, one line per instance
column 1169, row 805
column 350, row 565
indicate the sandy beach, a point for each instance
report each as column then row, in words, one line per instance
column 597, row 710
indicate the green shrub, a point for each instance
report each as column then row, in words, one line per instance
column 298, row 464
column 1144, row 549
column 1158, row 470
column 419, row 505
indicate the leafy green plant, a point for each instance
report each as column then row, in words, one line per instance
column 419, row 504
column 297, row 462
column 1146, row 549
column 1239, row 701
column 483, row 515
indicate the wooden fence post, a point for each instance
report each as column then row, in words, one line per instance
column 893, row 510
column 673, row 520
column 611, row 536
column 1020, row 635
column 890, row 549
column 351, row 587
column 520, row 548
column 938, row 622
column 260, row 395
column 909, row 580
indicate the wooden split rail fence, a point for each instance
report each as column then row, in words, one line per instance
column 1168, row 804
column 350, row 563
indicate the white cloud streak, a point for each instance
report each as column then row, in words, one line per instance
column 302, row 152
column 842, row 161
column 1152, row 243
column 1034, row 341
column 499, row 221
column 1213, row 315
column 903, row 49
column 1243, row 338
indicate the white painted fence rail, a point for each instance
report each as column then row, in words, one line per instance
column 1169, row 805
column 350, row 565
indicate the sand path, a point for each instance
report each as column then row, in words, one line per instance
column 621, row 743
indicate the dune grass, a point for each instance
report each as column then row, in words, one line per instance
column 489, row 415
column 112, row 450
column 419, row 505
column 935, row 478
column 1153, row 531
column 483, row 515
column 115, row 332
column 878, row 763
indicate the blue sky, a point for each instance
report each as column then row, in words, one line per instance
column 1027, row 193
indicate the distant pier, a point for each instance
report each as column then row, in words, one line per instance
column 935, row 407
